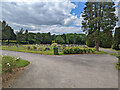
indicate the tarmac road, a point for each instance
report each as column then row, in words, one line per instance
column 68, row 71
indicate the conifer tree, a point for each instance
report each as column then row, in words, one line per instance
column 98, row 17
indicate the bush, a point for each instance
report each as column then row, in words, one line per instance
column 77, row 51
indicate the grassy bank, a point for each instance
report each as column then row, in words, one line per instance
column 9, row 63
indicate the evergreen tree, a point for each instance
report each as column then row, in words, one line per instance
column 106, row 39
column 7, row 32
column 98, row 16
column 60, row 40
column 20, row 36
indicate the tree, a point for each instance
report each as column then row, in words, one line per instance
column 38, row 38
column 7, row 32
column 116, row 39
column 20, row 36
column 31, row 37
column 64, row 37
column 90, row 41
column 98, row 16
column 106, row 39
column 60, row 40
column 26, row 35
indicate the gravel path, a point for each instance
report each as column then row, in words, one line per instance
column 68, row 71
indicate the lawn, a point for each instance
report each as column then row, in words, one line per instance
column 24, row 48
column 7, row 63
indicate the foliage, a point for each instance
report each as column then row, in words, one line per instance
column 106, row 39
column 116, row 39
column 78, row 51
column 7, row 32
column 59, row 40
column 20, row 36
column 9, row 63
column 26, row 37
column 98, row 16
column 90, row 41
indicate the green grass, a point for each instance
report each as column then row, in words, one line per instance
column 8, row 63
column 22, row 49
column 113, row 49
column 117, row 66
column 48, row 52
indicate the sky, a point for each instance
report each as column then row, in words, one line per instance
column 57, row 17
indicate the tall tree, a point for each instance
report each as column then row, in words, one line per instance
column 98, row 16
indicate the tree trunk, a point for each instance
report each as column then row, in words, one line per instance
column 97, row 45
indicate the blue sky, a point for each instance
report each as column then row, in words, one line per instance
column 79, row 8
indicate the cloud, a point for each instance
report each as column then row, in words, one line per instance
column 40, row 13
column 54, row 29
column 58, row 30
column 38, row 16
column 78, row 22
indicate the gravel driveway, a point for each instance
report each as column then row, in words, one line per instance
column 68, row 71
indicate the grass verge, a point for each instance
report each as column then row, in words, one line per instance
column 10, row 68
column 9, row 63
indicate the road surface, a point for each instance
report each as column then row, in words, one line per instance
column 68, row 71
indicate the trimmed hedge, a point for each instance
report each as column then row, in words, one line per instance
column 77, row 51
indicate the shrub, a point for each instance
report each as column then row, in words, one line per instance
column 66, row 51
column 77, row 51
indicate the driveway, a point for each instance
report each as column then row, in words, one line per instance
column 68, row 71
